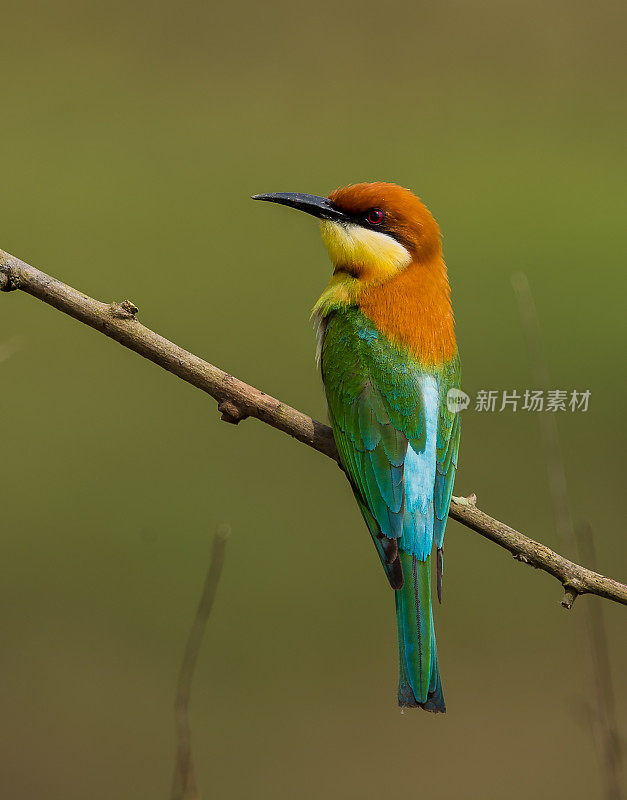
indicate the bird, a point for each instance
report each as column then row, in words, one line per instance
column 388, row 357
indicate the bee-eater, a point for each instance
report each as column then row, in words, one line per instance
column 387, row 352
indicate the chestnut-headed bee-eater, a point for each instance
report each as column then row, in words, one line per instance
column 388, row 357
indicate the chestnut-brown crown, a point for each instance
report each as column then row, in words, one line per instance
column 405, row 218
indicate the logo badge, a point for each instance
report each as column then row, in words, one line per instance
column 456, row 400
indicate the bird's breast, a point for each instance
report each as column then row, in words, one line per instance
column 414, row 310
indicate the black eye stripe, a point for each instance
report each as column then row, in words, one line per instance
column 371, row 218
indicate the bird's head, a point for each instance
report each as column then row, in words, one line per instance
column 386, row 251
column 371, row 230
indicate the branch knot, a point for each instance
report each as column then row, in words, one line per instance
column 572, row 589
column 8, row 281
column 230, row 412
column 123, row 310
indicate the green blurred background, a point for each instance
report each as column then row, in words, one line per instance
column 132, row 135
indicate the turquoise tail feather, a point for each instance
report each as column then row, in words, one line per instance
column 419, row 675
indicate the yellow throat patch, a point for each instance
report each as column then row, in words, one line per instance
column 373, row 253
column 361, row 257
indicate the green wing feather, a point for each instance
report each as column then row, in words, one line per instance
column 446, row 463
column 377, row 410
column 398, row 443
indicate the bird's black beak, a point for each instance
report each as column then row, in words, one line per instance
column 320, row 207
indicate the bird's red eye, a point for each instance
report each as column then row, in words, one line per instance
column 375, row 216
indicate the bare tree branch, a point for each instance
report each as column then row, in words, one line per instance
column 573, row 577
column 184, row 783
column 237, row 400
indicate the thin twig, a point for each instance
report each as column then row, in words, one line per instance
column 603, row 718
column 184, row 782
column 564, row 524
column 578, row 540
column 237, row 400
